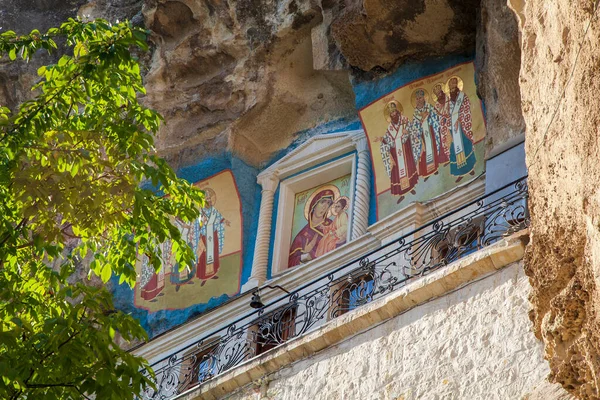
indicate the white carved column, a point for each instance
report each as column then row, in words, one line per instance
column 260, row 262
column 360, row 218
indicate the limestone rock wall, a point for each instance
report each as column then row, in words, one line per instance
column 16, row 79
column 379, row 34
column 245, row 76
column 497, row 62
column 559, row 89
column 228, row 76
column 474, row 343
column 239, row 76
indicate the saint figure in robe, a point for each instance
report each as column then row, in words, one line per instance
column 305, row 243
column 458, row 127
column 398, row 152
column 184, row 276
column 152, row 282
column 441, row 107
column 208, row 237
column 426, row 126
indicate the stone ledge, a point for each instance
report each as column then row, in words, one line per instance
column 436, row 284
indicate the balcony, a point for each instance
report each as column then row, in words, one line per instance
column 374, row 278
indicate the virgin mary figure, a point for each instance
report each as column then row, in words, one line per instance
column 304, row 245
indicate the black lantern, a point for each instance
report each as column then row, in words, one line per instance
column 256, row 301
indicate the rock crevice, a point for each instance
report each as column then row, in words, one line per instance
column 559, row 86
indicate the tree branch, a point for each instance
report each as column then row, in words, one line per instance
column 45, row 385
column 59, row 346
column 81, row 393
column 18, row 227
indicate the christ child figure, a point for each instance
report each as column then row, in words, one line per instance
column 335, row 235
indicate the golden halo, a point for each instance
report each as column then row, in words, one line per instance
column 444, row 88
column 334, row 189
column 459, row 84
column 413, row 97
column 331, row 212
column 209, row 192
column 386, row 109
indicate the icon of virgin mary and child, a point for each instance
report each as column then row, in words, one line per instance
column 326, row 228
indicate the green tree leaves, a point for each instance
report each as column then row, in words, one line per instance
column 76, row 165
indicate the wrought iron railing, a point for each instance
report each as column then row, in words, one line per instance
column 430, row 247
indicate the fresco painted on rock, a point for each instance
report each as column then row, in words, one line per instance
column 320, row 221
column 216, row 239
column 426, row 137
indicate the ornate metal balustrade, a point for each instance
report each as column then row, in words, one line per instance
column 426, row 249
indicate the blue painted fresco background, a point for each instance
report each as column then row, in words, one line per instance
column 369, row 91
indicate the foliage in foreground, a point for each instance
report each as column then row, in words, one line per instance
column 72, row 164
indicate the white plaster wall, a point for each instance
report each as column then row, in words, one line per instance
column 474, row 343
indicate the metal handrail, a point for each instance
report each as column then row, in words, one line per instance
column 431, row 246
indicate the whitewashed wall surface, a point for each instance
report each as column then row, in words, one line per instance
column 474, row 343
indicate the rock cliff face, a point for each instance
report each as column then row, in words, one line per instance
column 498, row 61
column 559, row 89
column 245, row 76
column 238, row 76
column 20, row 16
column 380, row 34
column 16, row 79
